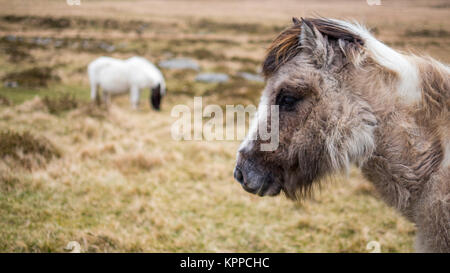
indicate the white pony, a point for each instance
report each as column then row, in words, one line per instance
column 116, row 76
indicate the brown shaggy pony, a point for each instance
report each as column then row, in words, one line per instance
column 346, row 98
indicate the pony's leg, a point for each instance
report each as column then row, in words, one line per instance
column 93, row 91
column 134, row 97
column 98, row 97
column 433, row 217
column 107, row 99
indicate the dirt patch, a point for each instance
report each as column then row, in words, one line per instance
column 26, row 150
column 17, row 54
column 204, row 54
column 4, row 101
column 61, row 103
column 33, row 77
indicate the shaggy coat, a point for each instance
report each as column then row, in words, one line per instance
column 346, row 98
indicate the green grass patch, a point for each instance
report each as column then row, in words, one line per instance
column 20, row 94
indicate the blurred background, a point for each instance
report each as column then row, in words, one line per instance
column 113, row 180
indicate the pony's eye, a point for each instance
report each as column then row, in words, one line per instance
column 287, row 102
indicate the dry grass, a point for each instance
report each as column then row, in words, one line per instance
column 33, row 77
column 25, row 150
column 121, row 183
column 5, row 101
column 61, row 103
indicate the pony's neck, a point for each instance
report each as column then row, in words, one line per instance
column 407, row 149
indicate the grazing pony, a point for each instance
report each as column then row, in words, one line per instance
column 344, row 97
column 116, row 76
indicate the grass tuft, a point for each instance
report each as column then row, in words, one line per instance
column 5, row 101
column 25, row 150
column 33, row 77
column 61, row 103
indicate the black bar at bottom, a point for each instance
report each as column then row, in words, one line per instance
column 222, row 262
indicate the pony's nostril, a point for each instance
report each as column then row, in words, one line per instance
column 238, row 175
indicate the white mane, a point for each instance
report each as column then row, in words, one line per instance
column 409, row 82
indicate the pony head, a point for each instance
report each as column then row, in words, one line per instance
column 324, row 123
column 156, row 95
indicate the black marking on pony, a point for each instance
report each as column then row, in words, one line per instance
column 155, row 97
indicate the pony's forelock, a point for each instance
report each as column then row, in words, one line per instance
column 287, row 44
column 350, row 37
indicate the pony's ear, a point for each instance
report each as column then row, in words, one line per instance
column 296, row 21
column 322, row 39
column 314, row 42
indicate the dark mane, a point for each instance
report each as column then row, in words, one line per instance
column 287, row 44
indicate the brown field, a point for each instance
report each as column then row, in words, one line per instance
column 115, row 181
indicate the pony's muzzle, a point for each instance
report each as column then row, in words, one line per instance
column 254, row 180
column 238, row 175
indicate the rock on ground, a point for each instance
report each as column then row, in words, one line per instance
column 212, row 77
column 180, row 63
column 251, row 77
